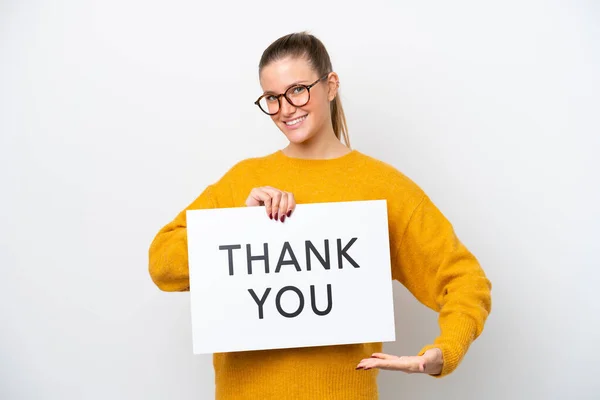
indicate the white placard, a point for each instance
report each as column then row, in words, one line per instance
column 343, row 298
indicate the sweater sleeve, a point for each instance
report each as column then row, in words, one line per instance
column 168, row 255
column 436, row 267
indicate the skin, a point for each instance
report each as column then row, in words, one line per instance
column 315, row 139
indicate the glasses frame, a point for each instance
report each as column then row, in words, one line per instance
column 284, row 94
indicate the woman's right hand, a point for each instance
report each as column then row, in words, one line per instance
column 278, row 204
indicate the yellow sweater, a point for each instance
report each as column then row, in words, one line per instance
column 426, row 255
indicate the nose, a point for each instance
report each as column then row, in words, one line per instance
column 286, row 108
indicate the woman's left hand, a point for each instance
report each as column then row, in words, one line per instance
column 431, row 362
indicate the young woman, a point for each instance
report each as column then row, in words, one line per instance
column 300, row 94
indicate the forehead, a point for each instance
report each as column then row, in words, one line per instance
column 278, row 75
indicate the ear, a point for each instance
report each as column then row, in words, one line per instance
column 333, row 83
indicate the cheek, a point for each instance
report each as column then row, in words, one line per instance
column 320, row 112
column 277, row 119
column 319, row 107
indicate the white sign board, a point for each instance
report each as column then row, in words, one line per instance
column 322, row 277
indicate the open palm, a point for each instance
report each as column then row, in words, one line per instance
column 431, row 362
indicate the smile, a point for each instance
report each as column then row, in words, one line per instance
column 295, row 121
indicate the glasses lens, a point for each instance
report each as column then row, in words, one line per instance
column 298, row 95
column 269, row 104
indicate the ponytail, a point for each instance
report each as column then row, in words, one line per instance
column 338, row 119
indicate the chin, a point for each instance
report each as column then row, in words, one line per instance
column 297, row 137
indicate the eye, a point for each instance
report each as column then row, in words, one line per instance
column 271, row 98
column 297, row 90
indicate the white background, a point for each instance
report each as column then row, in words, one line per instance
column 114, row 115
column 226, row 318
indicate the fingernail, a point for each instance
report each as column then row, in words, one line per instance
column 283, row 218
column 270, row 216
column 289, row 214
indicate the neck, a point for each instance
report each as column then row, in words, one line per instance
column 321, row 146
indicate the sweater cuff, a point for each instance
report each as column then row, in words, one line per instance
column 458, row 332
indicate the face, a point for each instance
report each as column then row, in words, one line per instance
column 300, row 124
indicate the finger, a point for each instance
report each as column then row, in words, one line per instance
column 260, row 195
column 283, row 206
column 275, row 200
column 404, row 364
column 369, row 363
column 252, row 201
column 256, row 197
column 291, row 204
column 383, row 356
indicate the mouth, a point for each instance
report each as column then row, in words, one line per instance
column 293, row 123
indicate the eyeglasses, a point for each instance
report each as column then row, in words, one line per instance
column 297, row 95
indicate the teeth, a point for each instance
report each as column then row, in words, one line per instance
column 295, row 121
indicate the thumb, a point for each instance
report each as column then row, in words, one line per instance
column 432, row 354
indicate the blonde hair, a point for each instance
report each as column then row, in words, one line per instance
column 303, row 44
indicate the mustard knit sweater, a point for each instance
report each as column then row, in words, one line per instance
column 426, row 255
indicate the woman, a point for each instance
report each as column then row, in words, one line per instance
column 301, row 97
